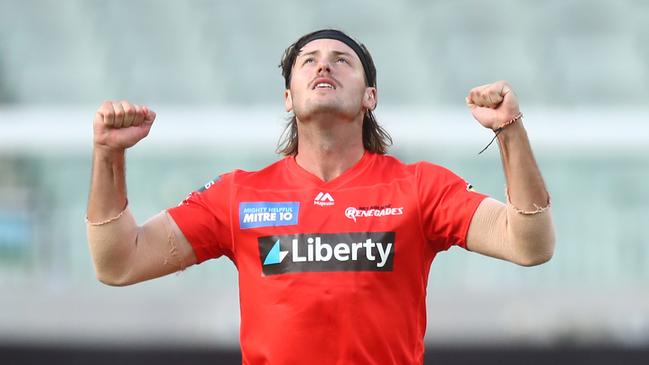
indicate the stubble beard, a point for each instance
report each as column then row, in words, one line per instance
column 325, row 111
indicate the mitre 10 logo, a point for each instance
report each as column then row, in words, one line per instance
column 309, row 252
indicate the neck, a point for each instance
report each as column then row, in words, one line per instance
column 329, row 149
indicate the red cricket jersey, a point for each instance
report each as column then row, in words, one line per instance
column 331, row 272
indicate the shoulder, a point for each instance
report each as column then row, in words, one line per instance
column 266, row 177
column 239, row 176
column 429, row 175
column 390, row 166
column 416, row 169
column 425, row 168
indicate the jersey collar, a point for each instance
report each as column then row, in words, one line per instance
column 308, row 179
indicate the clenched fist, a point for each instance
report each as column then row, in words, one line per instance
column 493, row 104
column 119, row 125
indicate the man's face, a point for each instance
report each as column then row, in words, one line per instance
column 328, row 78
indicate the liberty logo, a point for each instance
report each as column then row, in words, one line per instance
column 323, row 199
column 275, row 256
column 320, row 252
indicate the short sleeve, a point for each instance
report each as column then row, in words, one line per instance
column 447, row 204
column 204, row 219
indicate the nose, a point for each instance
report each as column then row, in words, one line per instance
column 323, row 66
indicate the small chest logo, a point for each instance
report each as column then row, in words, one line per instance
column 323, row 199
column 375, row 211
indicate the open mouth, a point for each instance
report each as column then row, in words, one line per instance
column 324, row 85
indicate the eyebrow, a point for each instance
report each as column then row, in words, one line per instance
column 336, row 53
column 339, row 53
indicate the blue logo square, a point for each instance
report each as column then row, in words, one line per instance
column 268, row 214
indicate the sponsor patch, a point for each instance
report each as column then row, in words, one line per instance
column 320, row 252
column 268, row 214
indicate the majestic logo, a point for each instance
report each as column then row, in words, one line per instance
column 268, row 214
column 378, row 211
column 323, row 199
column 319, row 252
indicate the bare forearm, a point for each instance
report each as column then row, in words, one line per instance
column 108, row 185
column 525, row 185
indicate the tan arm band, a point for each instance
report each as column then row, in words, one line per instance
column 124, row 253
column 506, row 232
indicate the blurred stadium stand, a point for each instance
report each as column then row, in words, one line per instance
column 562, row 53
column 209, row 68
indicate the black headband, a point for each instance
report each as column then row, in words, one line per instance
column 340, row 36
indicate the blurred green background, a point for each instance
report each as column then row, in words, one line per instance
column 209, row 69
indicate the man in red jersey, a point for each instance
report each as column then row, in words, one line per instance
column 334, row 242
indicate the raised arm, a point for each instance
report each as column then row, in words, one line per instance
column 521, row 230
column 124, row 253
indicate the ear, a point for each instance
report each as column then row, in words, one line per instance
column 288, row 101
column 370, row 98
